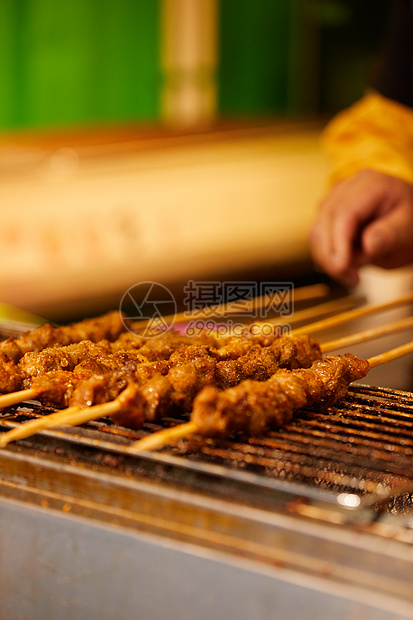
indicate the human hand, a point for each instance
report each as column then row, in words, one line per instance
column 367, row 219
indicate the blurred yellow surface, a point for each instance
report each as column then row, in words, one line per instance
column 85, row 219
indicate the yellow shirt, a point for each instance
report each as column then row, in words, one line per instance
column 375, row 133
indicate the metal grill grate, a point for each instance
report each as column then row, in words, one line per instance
column 364, row 445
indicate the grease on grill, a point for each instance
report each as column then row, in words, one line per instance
column 363, row 445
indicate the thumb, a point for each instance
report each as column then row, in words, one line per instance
column 378, row 239
column 389, row 238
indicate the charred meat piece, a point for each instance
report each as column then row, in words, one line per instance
column 55, row 387
column 85, row 356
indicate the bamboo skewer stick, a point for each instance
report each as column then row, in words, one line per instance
column 14, row 398
column 329, row 307
column 74, row 416
column 34, row 426
column 389, row 356
column 368, row 334
column 164, row 437
column 332, row 321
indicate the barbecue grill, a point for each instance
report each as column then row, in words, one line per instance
column 312, row 521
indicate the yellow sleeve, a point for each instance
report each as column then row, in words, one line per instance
column 375, row 133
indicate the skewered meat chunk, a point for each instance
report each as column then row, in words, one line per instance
column 74, row 355
column 108, row 374
column 127, row 341
column 191, row 369
column 254, row 407
column 163, row 386
column 153, row 401
column 131, row 402
column 56, row 387
column 260, row 363
column 234, row 347
column 106, row 327
column 93, row 380
column 82, row 356
column 11, row 350
column 162, row 347
column 148, row 370
column 10, row 375
column 65, row 358
column 101, row 388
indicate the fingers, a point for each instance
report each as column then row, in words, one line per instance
column 388, row 241
column 333, row 251
column 365, row 219
column 335, row 237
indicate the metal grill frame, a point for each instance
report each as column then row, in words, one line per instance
column 291, row 543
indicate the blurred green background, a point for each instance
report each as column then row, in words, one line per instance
column 96, row 61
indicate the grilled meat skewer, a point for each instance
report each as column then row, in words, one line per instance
column 254, row 407
column 66, row 357
column 108, row 326
column 163, row 383
column 15, row 366
column 140, row 391
column 144, row 390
